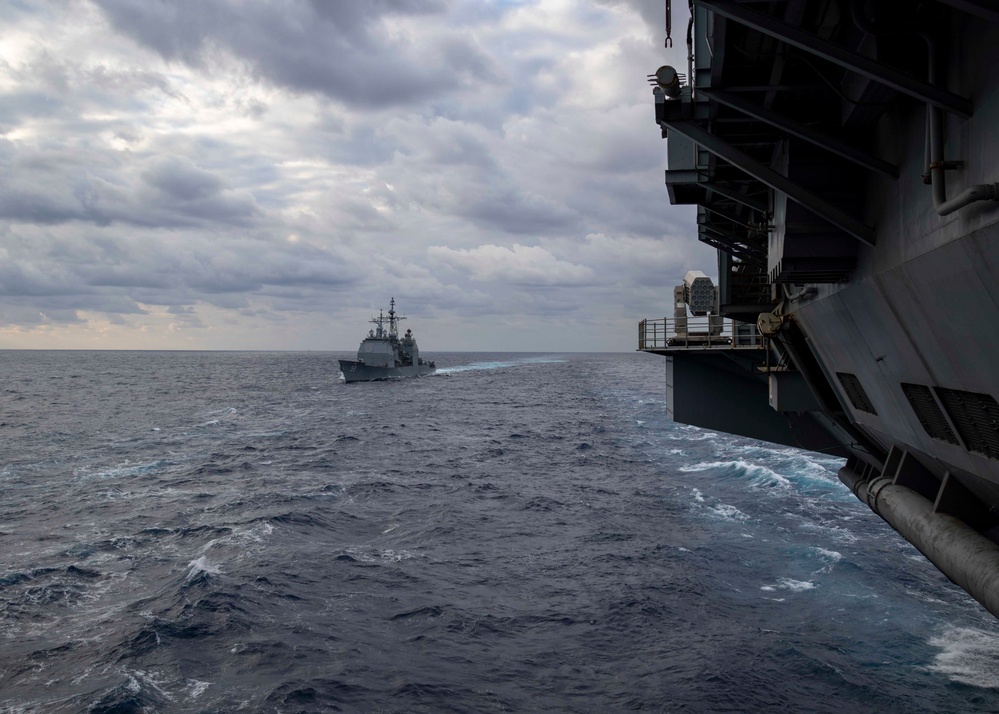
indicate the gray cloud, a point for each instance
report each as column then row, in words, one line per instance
column 179, row 179
column 344, row 50
column 246, row 170
column 513, row 211
column 116, row 273
column 58, row 183
column 519, row 265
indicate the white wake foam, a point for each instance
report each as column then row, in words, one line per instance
column 967, row 656
column 478, row 366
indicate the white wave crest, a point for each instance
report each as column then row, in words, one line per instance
column 691, row 434
column 759, row 476
column 125, row 470
column 195, row 688
column 202, row 565
column 719, row 510
column 789, row 584
column 373, row 555
column 396, row 555
column 138, row 679
column 829, row 557
column 728, row 513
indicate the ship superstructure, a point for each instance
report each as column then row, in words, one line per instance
column 843, row 156
column 384, row 355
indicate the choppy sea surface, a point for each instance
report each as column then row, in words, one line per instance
column 243, row 532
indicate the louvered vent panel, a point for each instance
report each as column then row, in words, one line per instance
column 855, row 393
column 976, row 418
column 928, row 412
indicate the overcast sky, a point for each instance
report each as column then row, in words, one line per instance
column 222, row 174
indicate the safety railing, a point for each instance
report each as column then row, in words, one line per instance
column 670, row 333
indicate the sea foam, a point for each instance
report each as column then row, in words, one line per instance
column 967, row 656
column 202, row 565
column 789, row 584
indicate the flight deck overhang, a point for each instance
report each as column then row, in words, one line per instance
column 844, row 163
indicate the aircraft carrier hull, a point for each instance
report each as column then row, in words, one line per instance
column 845, row 165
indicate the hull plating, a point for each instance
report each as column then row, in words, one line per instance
column 354, row 371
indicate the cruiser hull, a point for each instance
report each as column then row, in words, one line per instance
column 354, row 371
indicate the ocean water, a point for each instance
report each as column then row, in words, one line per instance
column 242, row 532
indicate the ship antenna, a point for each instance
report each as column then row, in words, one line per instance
column 394, row 319
column 379, row 321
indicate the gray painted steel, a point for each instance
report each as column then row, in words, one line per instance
column 966, row 557
column 803, row 131
column 773, row 179
column 384, row 355
column 354, row 371
column 895, row 335
column 834, row 53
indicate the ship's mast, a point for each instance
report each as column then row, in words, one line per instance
column 393, row 319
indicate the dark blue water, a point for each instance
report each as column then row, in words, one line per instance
column 219, row 532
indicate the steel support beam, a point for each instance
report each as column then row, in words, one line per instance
column 744, row 244
column 729, row 233
column 733, row 249
column 733, row 194
column 812, row 136
column 773, row 87
column 982, row 8
column 737, row 221
column 774, row 180
column 923, row 91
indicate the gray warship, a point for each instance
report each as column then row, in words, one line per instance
column 843, row 157
column 383, row 355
